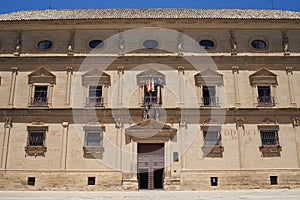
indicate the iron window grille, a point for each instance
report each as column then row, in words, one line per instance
column 269, row 137
column 93, row 138
column 212, row 138
column 36, row 138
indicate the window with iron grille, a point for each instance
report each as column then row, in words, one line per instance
column 269, row 137
column 36, row 138
column 93, row 138
column 212, row 138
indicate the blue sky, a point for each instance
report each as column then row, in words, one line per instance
column 15, row 5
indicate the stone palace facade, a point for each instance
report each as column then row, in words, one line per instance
column 173, row 99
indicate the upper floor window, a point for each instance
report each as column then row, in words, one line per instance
column 45, row 44
column 264, row 96
column 207, row 44
column 95, row 97
column 40, row 96
column 209, row 97
column 150, row 44
column 96, row 85
column 208, row 81
column 96, row 44
column 264, row 84
column 151, row 82
column 41, row 83
column 259, row 44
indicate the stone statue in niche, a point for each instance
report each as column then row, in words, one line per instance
column 233, row 43
column 179, row 46
column 18, row 44
column 285, row 43
column 71, row 43
column 121, row 43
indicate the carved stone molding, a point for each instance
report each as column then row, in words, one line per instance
column 289, row 70
column 69, row 70
column 93, row 152
column 208, row 77
column 180, row 70
column 65, row 124
column 235, row 70
column 239, row 121
column 35, row 151
column 120, row 70
column 41, row 75
column 15, row 70
column 8, row 123
column 96, row 77
column 295, row 121
column 263, row 77
column 233, row 43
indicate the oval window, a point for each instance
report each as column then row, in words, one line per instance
column 207, row 44
column 96, row 44
column 44, row 45
column 150, row 44
column 259, row 44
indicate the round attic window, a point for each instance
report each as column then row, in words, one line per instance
column 207, row 44
column 45, row 44
column 259, row 44
column 96, row 44
column 150, row 44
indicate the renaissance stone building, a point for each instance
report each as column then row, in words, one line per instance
column 173, row 99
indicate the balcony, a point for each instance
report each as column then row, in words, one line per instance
column 148, row 101
column 94, row 101
column 265, row 101
column 39, row 101
column 210, row 101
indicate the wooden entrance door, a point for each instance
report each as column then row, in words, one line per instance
column 151, row 166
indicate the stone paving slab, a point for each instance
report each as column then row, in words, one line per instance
column 283, row 194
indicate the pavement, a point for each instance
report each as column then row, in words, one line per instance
column 274, row 194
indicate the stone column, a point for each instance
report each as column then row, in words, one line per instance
column 5, row 144
column 235, row 72
column 119, row 128
column 141, row 95
column 120, row 96
column 134, row 160
column 30, row 94
column 181, row 85
column 254, row 91
column 182, row 129
column 289, row 72
column 274, row 94
column 158, row 95
column 50, row 94
column 69, row 83
column 14, row 71
column 105, row 95
column 240, row 133
column 64, row 147
column 168, row 157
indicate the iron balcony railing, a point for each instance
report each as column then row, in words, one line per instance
column 265, row 101
column 151, row 101
column 39, row 101
column 94, row 101
column 210, row 101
